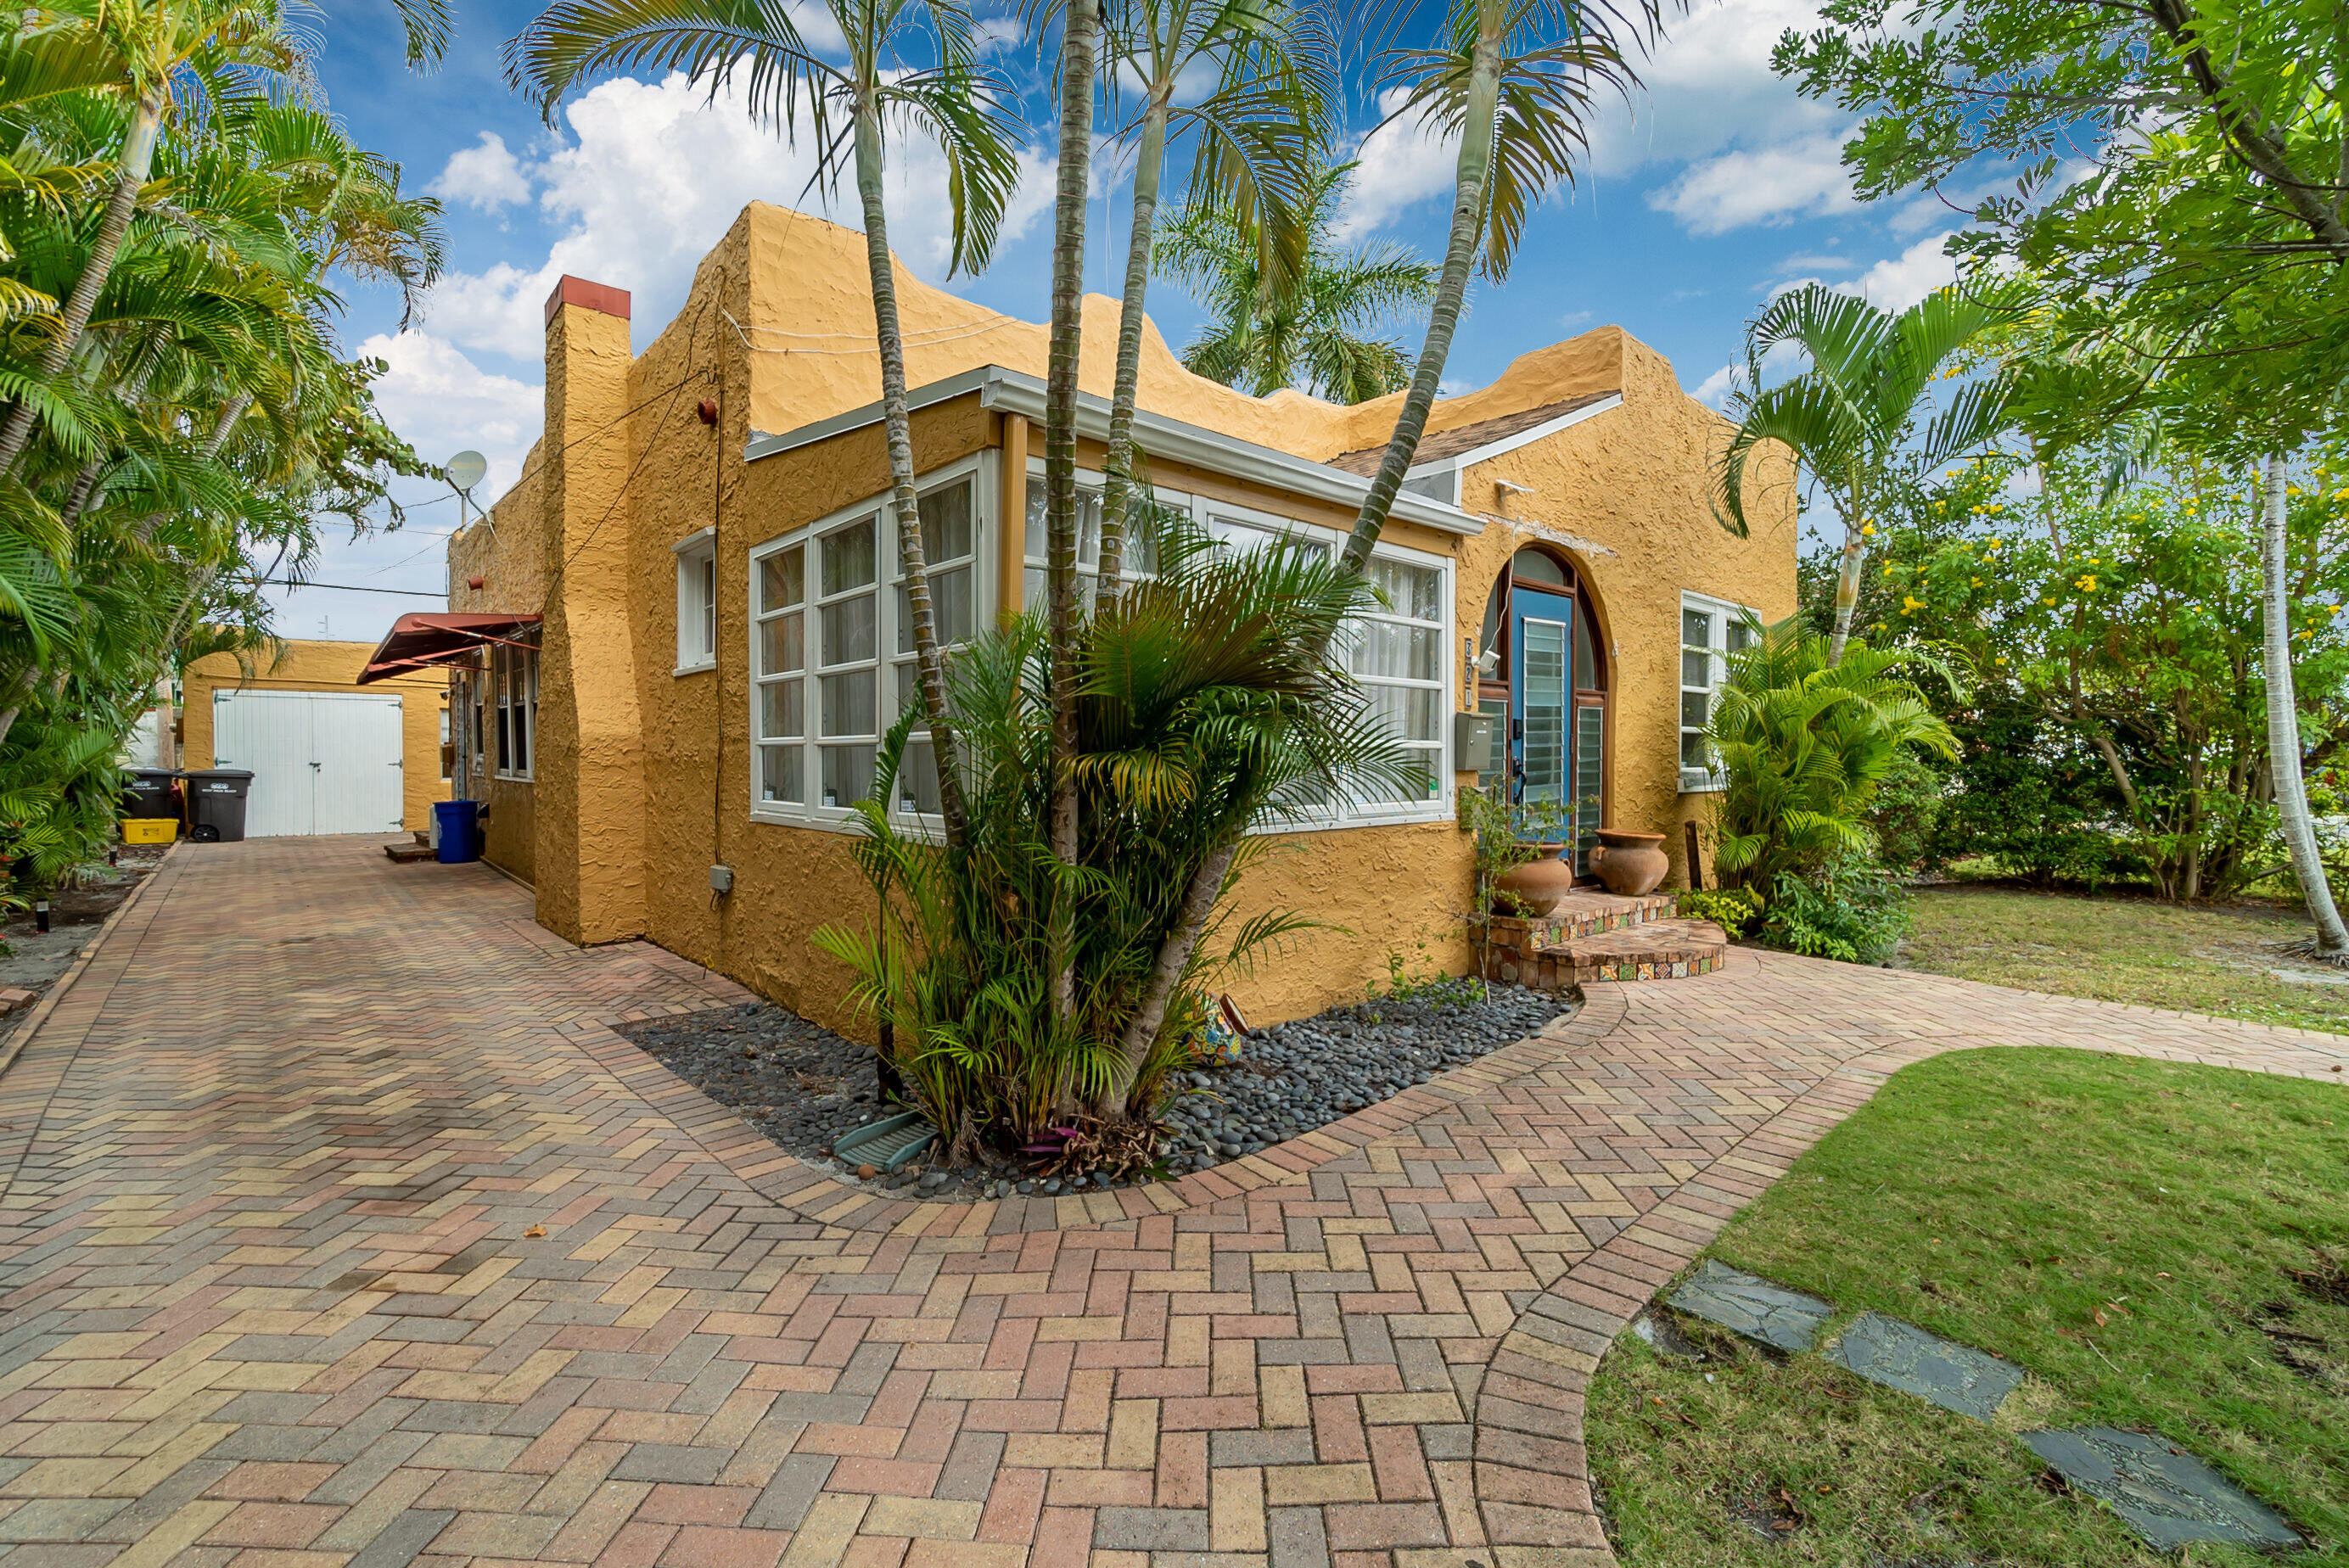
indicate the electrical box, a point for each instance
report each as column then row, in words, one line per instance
column 1472, row 741
column 722, row 878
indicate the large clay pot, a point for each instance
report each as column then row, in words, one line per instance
column 1628, row 863
column 1537, row 887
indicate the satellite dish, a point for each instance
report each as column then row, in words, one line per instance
column 466, row 469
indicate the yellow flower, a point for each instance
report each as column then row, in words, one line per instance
column 2000, row 660
column 2304, row 635
column 2047, row 602
column 1997, row 506
column 1868, row 531
column 1977, row 583
column 2085, row 584
column 1910, row 604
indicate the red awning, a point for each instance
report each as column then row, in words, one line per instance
column 419, row 641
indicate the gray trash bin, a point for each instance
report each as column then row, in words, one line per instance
column 151, row 793
column 216, row 804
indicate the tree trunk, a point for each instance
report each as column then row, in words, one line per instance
column 1846, row 599
column 1468, row 206
column 84, row 485
column 130, row 177
column 1077, row 48
column 1174, row 957
column 2284, row 731
column 1118, row 466
column 929, row 664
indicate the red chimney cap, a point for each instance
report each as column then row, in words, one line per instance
column 603, row 297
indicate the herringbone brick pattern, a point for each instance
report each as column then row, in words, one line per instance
column 342, row 1230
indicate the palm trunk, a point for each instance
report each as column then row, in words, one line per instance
column 84, row 485
column 1174, row 958
column 2283, row 730
column 1077, row 48
column 1846, row 599
column 130, row 177
column 930, row 666
column 1451, row 290
column 1118, row 466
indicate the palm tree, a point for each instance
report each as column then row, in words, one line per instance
column 1319, row 329
column 1516, row 80
column 145, row 53
column 910, row 64
column 1804, row 739
column 1850, row 416
column 1257, row 135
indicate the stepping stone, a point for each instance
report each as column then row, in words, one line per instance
column 1904, row 1357
column 1751, row 1305
column 2171, row 1498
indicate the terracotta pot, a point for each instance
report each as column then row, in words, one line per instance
column 1628, row 863
column 1537, row 887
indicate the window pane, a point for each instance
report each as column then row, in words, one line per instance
column 781, row 649
column 949, row 609
column 1741, row 635
column 848, row 558
column 1693, row 750
column 709, row 607
column 1412, row 591
column 847, row 774
column 849, row 632
column 1544, row 700
column 1408, row 712
column 1586, row 652
column 783, row 709
column 1089, row 515
column 780, row 773
column 782, row 579
column 1692, row 708
column 1405, row 652
column 848, row 704
column 917, row 779
column 1696, row 669
column 945, row 523
column 1696, row 629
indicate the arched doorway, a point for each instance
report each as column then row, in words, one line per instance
column 1543, row 670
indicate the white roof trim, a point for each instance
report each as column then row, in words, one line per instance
column 1491, row 450
column 1172, row 440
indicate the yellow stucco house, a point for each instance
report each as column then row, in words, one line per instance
column 703, row 537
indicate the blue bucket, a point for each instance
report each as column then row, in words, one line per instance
column 461, row 830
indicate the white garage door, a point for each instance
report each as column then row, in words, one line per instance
column 322, row 762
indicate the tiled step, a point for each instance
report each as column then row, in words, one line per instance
column 405, row 854
column 1657, row 950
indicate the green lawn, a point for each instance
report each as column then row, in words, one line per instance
column 2158, row 1245
column 2209, row 960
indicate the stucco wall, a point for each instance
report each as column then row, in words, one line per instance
column 317, row 665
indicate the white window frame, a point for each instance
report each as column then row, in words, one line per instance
column 979, row 469
column 1725, row 613
column 1205, row 512
column 1033, row 567
column 513, row 680
column 697, row 602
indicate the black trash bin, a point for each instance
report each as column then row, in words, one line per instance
column 152, row 793
column 216, row 804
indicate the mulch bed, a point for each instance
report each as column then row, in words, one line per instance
column 805, row 1086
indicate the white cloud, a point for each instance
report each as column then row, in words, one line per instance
column 1707, row 86
column 1775, row 184
column 485, row 175
column 1899, row 282
column 442, row 403
column 1714, row 389
column 1402, row 163
column 650, row 178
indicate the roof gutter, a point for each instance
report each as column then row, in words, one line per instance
column 1172, row 440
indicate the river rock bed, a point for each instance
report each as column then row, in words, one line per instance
column 805, row 1086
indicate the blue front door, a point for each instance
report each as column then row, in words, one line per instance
column 1541, row 695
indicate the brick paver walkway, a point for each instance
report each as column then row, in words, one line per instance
column 341, row 1230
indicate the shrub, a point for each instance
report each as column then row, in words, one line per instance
column 1907, row 811
column 1736, row 909
column 1848, row 910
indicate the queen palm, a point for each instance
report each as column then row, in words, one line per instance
column 910, row 66
column 1850, row 417
column 1518, row 82
column 1256, row 136
column 1318, row 328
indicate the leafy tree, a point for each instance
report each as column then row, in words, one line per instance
column 1317, row 328
column 910, row 64
column 1850, row 417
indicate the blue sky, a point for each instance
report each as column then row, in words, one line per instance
column 1716, row 187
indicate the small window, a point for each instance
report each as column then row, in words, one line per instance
column 1710, row 630
column 514, row 678
column 697, row 603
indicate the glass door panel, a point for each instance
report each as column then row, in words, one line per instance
column 1541, row 698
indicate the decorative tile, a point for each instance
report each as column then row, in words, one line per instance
column 1751, row 1305
column 1904, row 1357
column 2172, row 1499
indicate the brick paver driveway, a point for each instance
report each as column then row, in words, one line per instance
column 340, row 1229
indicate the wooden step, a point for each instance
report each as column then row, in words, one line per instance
column 408, row 854
column 1658, row 950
